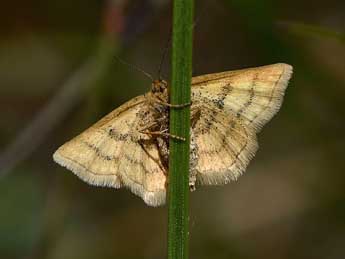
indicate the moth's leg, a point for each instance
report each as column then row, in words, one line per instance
column 163, row 134
column 192, row 165
column 142, row 143
column 152, row 125
column 163, row 151
column 192, row 180
column 195, row 116
column 176, row 106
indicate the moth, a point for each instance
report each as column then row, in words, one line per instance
column 129, row 146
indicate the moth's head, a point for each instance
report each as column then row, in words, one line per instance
column 159, row 86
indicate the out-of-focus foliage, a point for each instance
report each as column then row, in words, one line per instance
column 289, row 203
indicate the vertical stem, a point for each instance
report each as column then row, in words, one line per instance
column 180, row 91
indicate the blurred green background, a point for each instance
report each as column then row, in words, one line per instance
column 58, row 75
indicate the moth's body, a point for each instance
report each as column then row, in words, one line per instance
column 156, row 119
column 130, row 146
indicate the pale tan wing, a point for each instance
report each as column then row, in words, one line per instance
column 109, row 154
column 224, row 144
column 253, row 94
column 233, row 107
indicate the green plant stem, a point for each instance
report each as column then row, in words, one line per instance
column 180, row 91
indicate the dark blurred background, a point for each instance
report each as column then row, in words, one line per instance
column 58, row 75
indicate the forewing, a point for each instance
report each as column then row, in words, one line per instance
column 253, row 94
column 109, row 154
column 232, row 107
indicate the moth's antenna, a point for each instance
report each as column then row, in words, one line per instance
column 134, row 67
column 204, row 9
column 165, row 51
column 168, row 43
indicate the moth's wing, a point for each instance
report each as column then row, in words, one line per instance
column 253, row 94
column 233, row 107
column 109, row 154
column 224, row 146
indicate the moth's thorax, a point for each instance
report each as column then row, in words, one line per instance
column 157, row 113
column 159, row 88
column 157, row 95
